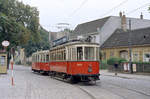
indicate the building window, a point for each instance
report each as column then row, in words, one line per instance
column 104, row 55
column 146, row 57
column 135, row 56
column 111, row 53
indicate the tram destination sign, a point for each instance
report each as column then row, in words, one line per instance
column 60, row 41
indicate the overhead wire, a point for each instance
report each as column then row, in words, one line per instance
column 109, row 11
column 134, row 10
column 76, row 10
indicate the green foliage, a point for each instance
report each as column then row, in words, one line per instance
column 42, row 44
column 114, row 60
column 103, row 64
column 141, row 62
column 122, row 60
column 18, row 22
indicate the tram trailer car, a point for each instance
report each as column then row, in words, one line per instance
column 78, row 61
column 40, row 62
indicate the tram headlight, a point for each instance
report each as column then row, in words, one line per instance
column 90, row 68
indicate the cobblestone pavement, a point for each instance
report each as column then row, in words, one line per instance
column 30, row 85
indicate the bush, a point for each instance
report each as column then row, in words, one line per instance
column 114, row 60
column 103, row 64
column 141, row 62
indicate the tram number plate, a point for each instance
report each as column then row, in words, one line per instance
column 79, row 64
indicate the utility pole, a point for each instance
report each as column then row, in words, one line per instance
column 130, row 47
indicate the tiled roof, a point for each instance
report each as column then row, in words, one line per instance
column 90, row 27
column 139, row 37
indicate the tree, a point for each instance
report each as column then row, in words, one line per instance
column 18, row 22
column 42, row 44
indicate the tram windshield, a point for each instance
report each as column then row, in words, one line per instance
column 87, row 53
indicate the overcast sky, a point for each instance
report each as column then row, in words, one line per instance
column 76, row 12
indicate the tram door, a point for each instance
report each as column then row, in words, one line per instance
column 3, row 63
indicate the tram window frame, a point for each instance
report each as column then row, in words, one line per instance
column 74, row 53
column 41, row 58
column 34, row 58
column 80, row 54
column 70, row 54
column 47, row 57
column 89, row 53
column 44, row 57
column 97, row 53
column 38, row 58
column 64, row 57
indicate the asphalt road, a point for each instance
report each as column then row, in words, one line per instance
column 29, row 85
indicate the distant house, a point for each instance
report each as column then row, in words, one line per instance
column 52, row 37
column 100, row 30
column 117, row 45
column 57, row 35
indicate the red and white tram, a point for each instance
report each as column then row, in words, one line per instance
column 40, row 61
column 77, row 61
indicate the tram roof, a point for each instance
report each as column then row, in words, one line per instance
column 40, row 52
column 74, row 43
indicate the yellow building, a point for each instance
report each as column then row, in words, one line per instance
column 118, row 45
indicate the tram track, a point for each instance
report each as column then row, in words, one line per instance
column 133, row 90
column 88, row 93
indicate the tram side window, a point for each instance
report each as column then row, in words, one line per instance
column 64, row 55
column 74, row 54
column 36, row 58
column 97, row 53
column 89, row 53
column 41, row 58
column 79, row 53
column 33, row 58
column 44, row 58
column 47, row 58
column 70, row 54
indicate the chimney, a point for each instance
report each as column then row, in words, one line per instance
column 141, row 16
column 123, row 22
column 120, row 14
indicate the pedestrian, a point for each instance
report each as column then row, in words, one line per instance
column 116, row 67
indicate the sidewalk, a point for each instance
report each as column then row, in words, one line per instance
column 125, row 75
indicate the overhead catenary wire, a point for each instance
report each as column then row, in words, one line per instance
column 109, row 11
column 134, row 10
column 76, row 10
